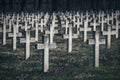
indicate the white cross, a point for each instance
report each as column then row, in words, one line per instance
column 14, row 35
column 66, row 26
column 96, row 42
column 46, row 18
column 69, row 37
column 46, row 46
column 52, row 31
column 103, row 21
column 94, row 24
column 117, row 27
column 87, row 17
column 31, row 22
column 10, row 25
column 108, row 19
column 112, row 17
column 27, row 40
column 109, row 33
column 37, row 28
column 78, row 23
column 85, row 29
column 4, row 31
column 41, row 24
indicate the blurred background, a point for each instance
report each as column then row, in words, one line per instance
column 58, row 5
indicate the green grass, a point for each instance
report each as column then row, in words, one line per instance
column 77, row 65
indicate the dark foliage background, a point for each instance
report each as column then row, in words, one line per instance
column 58, row 5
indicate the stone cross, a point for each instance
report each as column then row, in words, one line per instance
column 41, row 24
column 82, row 17
column 46, row 18
column 85, row 29
column 93, row 15
column 109, row 33
column 10, row 25
column 108, row 19
column 46, row 46
column 116, row 14
column 52, row 31
column 112, row 17
column 94, row 24
column 99, row 16
column 103, row 21
column 7, row 17
column 15, row 34
column 1, row 16
column 17, row 25
column 70, row 36
column 37, row 28
column 78, row 23
column 54, row 17
column 96, row 41
column 87, row 18
column 75, row 16
column 31, row 22
column 54, row 22
column 117, row 27
column 66, row 26
column 4, row 30
column 27, row 40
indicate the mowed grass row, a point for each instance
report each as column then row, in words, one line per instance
column 77, row 65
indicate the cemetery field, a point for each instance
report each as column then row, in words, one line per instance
column 77, row 65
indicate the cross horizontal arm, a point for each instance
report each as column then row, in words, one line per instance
column 40, row 46
column 102, row 41
column 91, row 41
column 52, row 45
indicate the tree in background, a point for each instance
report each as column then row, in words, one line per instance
column 23, row 4
column 3, row 5
column 11, row 4
column 58, row 5
column 39, row 4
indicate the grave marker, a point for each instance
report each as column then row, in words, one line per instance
column 108, row 19
column 69, row 36
column 117, row 27
column 103, row 21
column 27, row 40
column 37, row 28
column 51, row 32
column 94, row 24
column 46, row 46
column 4, row 30
column 109, row 33
column 96, row 41
column 85, row 29
column 15, row 34
column 66, row 26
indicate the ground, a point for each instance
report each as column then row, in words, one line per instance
column 77, row 65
